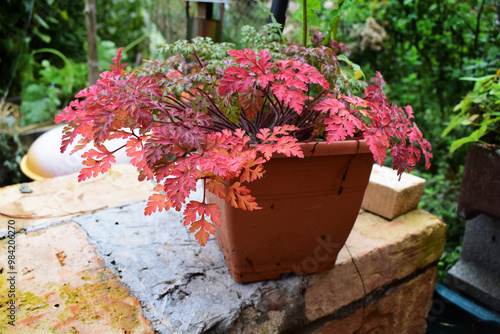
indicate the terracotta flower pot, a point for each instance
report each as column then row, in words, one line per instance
column 480, row 190
column 309, row 207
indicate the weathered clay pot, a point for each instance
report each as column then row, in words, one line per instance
column 480, row 190
column 309, row 207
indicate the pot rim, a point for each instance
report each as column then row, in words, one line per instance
column 321, row 148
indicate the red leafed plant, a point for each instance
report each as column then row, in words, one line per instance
column 217, row 115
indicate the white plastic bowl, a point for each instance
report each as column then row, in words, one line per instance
column 45, row 160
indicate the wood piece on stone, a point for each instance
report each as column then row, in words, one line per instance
column 389, row 197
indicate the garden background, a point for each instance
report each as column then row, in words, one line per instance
column 422, row 48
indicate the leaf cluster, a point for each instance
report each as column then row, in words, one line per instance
column 479, row 110
column 307, row 15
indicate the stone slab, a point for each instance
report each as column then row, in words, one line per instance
column 475, row 283
column 477, row 273
column 384, row 251
column 402, row 308
column 181, row 286
column 185, row 288
column 481, row 243
column 389, row 196
column 61, row 285
column 54, row 199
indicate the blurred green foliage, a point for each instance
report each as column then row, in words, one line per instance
column 11, row 148
column 43, row 61
column 447, row 260
column 479, row 112
column 423, row 48
column 27, row 25
column 43, row 47
column 123, row 22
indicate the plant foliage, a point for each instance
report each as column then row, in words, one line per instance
column 423, row 48
column 479, row 110
column 214, row 114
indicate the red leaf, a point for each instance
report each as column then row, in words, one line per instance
column 157, row 202
column 294, row 98
column 263, row 63
column 213, row 211
column 265, row 79
column 204, row 229
column 236, row 79
column 239, row 197
column 341, row 123
column 216, row 186
column 95, row 167
column 251, row 101
column 243, row 57
column 279, row 141
column 378, row 145
column 252, row 170
column 193, row 209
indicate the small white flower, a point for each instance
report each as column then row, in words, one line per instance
column 330, row 5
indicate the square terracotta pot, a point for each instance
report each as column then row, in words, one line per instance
column 309, row 207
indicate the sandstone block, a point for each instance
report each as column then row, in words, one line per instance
column 50, row 200
column 384, row 252
column 390, row 197
column 401, row 309
column 61, row 285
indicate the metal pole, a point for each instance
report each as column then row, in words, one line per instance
column 278, row 9
column 93, row 64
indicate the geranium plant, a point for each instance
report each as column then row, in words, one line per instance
column 215, row 114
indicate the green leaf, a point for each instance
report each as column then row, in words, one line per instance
column 343, row 6
column 64, row 15
column 477, row 78
column 105, row 52
column 474, row 137
column 43, row 37
column 332, row 33
column 41, row 21
column 312, row 17
column 355, row 67
column 459, row 142
column 311, row 4
column 457, row 120
column 40, row 103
